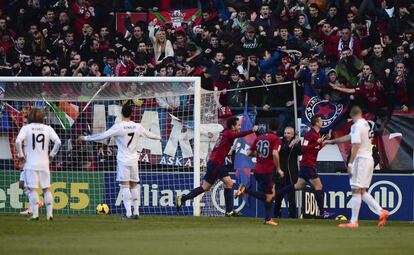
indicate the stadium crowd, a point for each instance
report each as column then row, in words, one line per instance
column 362, row 49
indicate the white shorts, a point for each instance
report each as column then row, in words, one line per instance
column 34, row 178
column 362, row 171
column 125, row 173
column 22, row 176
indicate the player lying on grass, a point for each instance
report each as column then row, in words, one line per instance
column 126, row 134
column 266, row 149
column 35, row 158
column 215, row 166
column 360, row 168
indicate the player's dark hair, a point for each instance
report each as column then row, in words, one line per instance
column 315, row 119
column 231, row 122
column 35, row 116
column 127, row 110
column 355, row 110
column 273, row 125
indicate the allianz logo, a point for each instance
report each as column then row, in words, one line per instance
column 155, row 196
column 387, row 193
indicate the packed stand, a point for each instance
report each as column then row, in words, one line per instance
column 362, row 49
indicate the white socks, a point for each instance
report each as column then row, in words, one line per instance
column 136, row 198
column 49, row 204
column 369, row 200
column 26, row 191
column 126, row 197
column 33, row 201
column 356, row 205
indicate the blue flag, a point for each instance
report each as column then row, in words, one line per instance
column 242, row 163
column 241, row 160
column 331, row 112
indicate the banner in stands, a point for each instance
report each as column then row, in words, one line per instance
column 393, row 141
column 74, row 192
column 331, row 113
column 396, row 145
column 176, row 18
column 135, row 17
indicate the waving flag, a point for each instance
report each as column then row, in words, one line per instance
column 66, row 113
column 177, row 17
column 331, row 113
column 243, row 163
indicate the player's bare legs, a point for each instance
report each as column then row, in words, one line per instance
column 206, row 186
column 135, row 197
column 126, row 197
column 300, row 184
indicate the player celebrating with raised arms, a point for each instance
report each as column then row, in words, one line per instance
column 126, row 134
column 311, row 146
column 216, row 168
column 360, row 168
column 35, row 159
column 266, row 149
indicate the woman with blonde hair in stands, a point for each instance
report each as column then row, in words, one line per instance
column 162, row 46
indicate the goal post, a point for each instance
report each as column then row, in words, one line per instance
column 84, row 175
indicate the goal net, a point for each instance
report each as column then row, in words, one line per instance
column 83, row 174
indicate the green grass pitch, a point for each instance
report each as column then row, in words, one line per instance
column 78, row 235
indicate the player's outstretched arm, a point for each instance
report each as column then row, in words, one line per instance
column 149, row 134
column 342, row 139
column 235, row 134
column 101, row 136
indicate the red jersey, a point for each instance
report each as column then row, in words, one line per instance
column 374, row 96
column 310, row 148
column 265, row 144
column 224, row 144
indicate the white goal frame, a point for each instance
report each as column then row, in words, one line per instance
column 197, row 108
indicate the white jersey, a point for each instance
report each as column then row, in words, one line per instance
column 126, row 135
column 360, row 134
column 36, row 138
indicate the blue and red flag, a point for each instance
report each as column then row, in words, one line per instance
column 331, row 112
column 243, row 164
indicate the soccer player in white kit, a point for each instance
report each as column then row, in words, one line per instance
column 35, row 157
column 126, row 135
column 360, row 168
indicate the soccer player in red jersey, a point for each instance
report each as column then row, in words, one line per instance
column 266, row 149
column 216, row 168
column 311, row 146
